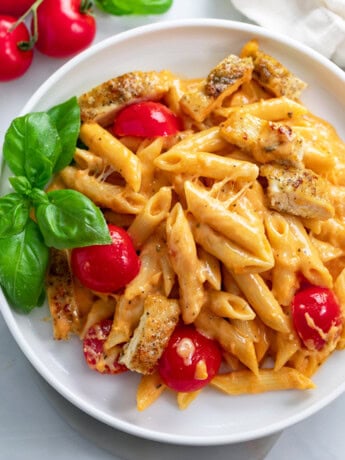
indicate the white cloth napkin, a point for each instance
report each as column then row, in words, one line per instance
column 319, row 24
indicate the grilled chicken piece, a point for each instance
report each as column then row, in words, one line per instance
column 221, row 82
column 266, row 140
column 102, row 103
column 271, row 74
column 300, row 192
column 60, row 291
column 150, row 338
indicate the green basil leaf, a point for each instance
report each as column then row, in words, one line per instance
column 38, row 196
column 71, row 220
column 23, row 264
column 20, row 184
column 14, row 214
column 111, row 6
column 122, row 7
column 66, row 117
column 31, row 147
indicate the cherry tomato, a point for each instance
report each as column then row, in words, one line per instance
column 15, row 7
column 14, row 61
column 190, row 360
column 109, row 267
column 64, row 27
column 315, row 311
column 146, row 119
column 93, row 349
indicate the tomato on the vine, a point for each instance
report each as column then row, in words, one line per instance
column 15, row 60
column 146, row 119
column 15, row 8
column 94, row 353
column 107, row 267
column 315, row 313
column 65, row 27
column 190, row 360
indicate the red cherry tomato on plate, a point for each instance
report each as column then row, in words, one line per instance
column 146, row 119
column 93, row 349
column 64, row 28
column 15, row 7
column 190, row 360
column 315, row 311
column 107, row 267
column 14, row 61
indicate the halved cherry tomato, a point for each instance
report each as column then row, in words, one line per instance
column 65, row 27
column 109, row 267
column 190, row 360
column 94, row 354
column 146, row 119
column 315, row 311
column 15, row 7
column 14, row 60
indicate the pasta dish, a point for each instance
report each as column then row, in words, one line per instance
column 237, row 217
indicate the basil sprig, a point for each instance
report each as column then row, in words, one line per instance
column 124, row 7
column 36, row 146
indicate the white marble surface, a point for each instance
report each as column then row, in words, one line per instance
column 35, row 422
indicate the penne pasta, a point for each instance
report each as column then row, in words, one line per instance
column 230, row 339
column 286, row 345
column 279, row 108
column 126, row 318
column 147, row 155
column 113, row 152
column 154, row 212
column 233, row 257
column 211, row 269
column 205, row 163
column 310, row 263
column 262, row 300
column 230, row 306
column 185, row 399
column 102, row 308
column 119, row 199
column 243, row 232
column 244, row 382
column 149, row 389
column 150, row 273
column 88, row 160
column 185, row 262
column 286, row 258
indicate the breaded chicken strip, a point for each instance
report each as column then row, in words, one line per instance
column 266, row 140
column 271, row 74
column 61, row 295
column 101, row 103
column 300, row 192
column 150, row 338
column 221, row 82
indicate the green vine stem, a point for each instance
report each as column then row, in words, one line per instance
column 85, row 6
column 28, row 45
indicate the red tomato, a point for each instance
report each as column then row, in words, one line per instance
column 15, row 7
column 14, row 61
column 146, row 119
column 315, row 311
column 93, row 349
column 190, row 360
column 63, row 28
column 108, row 267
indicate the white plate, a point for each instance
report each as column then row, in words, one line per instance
column 190, row 48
